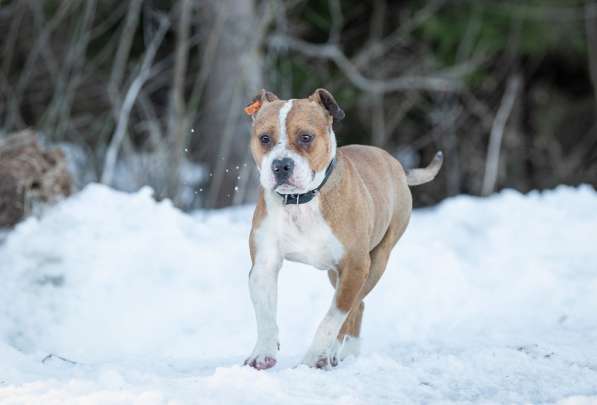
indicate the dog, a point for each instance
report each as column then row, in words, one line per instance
column 341, row 210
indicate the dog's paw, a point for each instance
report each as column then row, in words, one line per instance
column 350, row 346
column 263, row 355
column 339, row 351
column 324, row 362
column 261, row 361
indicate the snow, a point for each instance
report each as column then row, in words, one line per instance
column 484, row 300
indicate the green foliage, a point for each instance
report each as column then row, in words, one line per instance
column 530, row 30
column 499, row 28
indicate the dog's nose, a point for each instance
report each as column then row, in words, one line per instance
column 282, row 169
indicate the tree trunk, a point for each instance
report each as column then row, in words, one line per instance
column 234, row 78
column 177, row 127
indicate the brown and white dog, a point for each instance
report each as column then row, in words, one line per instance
column 338, row 209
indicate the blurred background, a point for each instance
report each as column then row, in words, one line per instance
column 151, row 92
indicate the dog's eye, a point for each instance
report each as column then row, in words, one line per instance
column 265, row 139
column 306, row 138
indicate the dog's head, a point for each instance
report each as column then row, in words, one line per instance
column 292, row 141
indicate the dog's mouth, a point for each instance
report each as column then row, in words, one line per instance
column 290, row 187
column 287, row 188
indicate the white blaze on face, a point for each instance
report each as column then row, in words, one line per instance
column 282, row 116
column 279, row 151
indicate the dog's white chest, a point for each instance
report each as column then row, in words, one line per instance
column 303, row 235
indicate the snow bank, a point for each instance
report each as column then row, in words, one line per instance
column 483, row 300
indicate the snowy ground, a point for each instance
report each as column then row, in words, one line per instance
column 484, row 300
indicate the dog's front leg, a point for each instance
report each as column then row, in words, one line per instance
column 263, row 286
column 352, row 276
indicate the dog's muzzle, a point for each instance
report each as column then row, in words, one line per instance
column 282, row 169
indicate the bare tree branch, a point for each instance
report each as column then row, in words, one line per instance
column 381, row 47
column 124, row 47
column 337, row 21
column 129, row 101
column 497, row 132
column 203, row 72
column 72, row 71
column 591, row 32
column 333, row 53
column 176, row 124
column 41, row 46
column 378, row 120
column 11, row 37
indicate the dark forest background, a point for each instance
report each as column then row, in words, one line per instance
column 151, row 92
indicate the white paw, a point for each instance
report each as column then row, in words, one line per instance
column 263, row 358
column 324, row 360
column 261, row 361
column 335, row 354
column 351, row 346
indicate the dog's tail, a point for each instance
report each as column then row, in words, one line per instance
column 414, row 177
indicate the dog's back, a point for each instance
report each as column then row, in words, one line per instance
column 385, row 182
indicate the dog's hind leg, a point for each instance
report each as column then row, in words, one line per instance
column 349, row 342
column 349, row 335
column 380, row 256
column 352, row 274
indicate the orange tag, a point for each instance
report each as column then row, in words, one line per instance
column 252, row 108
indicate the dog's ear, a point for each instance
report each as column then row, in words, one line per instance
column 263, row 97
column 327, row 101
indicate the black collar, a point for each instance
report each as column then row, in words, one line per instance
column 309, row 195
